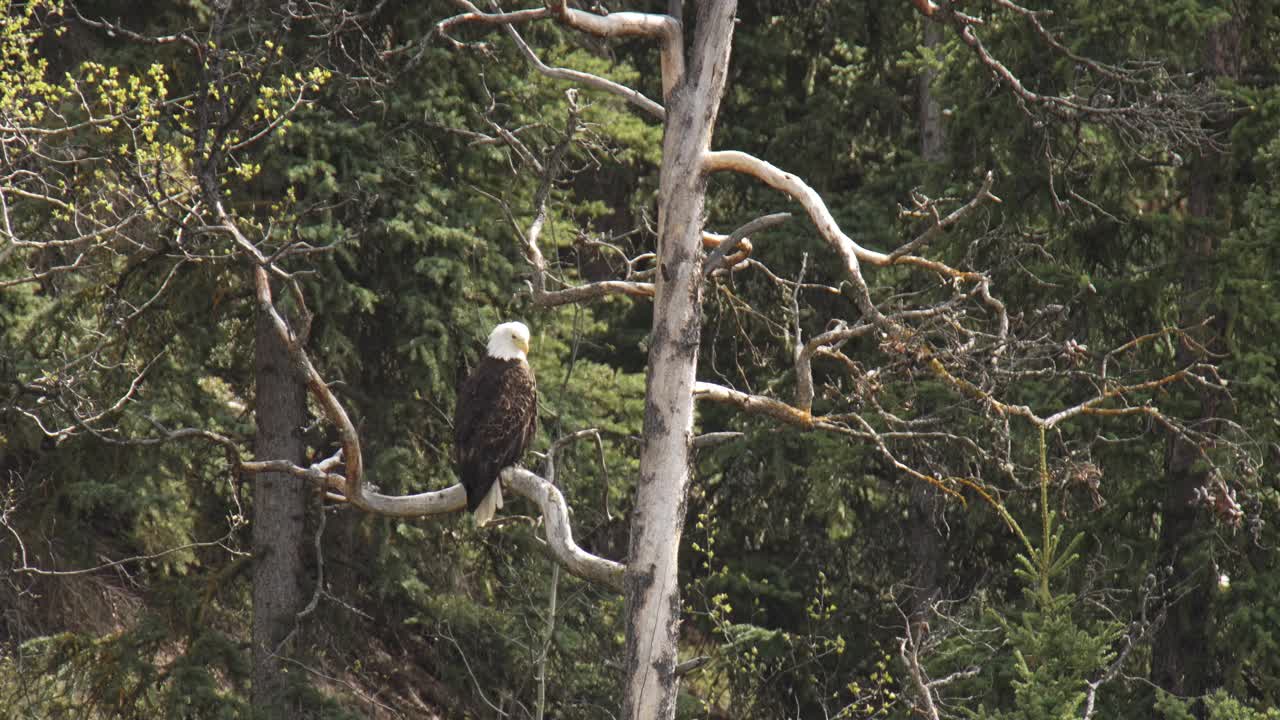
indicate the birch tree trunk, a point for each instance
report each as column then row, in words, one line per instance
column 651, row 585
column 279, row 516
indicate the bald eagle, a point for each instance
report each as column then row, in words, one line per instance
column 495, row 418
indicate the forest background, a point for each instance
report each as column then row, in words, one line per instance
column 390, row 169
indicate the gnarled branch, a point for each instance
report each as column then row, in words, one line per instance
column 635, row 97
column 559, row 532
column 729, row 245
column 664, row 28
column 851, row 254
column 352, row 485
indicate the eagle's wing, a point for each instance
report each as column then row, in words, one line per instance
column 474, row 397
column 494, row 423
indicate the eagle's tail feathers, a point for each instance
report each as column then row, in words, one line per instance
column 491, row 503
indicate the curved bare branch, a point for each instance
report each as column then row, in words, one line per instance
column 595, row 82
column 729, row 244
column 852, row 255
column 559, row 531
column 453, row 499
column 712, row 240
column 664, row 28
column 804, row 359
column 756, row 404
column 474, row 14
column 940, row 224
column 592, row 291
column 618, row 24
column 778, row 410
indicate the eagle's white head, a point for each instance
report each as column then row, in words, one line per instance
column 509, row 341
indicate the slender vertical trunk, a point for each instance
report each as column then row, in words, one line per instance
column 1181, row 661
column 279, row 513
column 928, row 551
column 932, row 137
column 924, row 533
column 652, row 585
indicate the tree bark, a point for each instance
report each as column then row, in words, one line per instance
column 279, row 517
column 932, row 136
column 651, row 583
column 1181, row 662
column 927, row 548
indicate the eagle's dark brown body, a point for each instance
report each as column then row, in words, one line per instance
column 494, row 422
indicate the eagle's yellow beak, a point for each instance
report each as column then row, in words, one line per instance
column 522, row 344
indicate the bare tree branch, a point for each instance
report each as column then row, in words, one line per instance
column 755, row 404
column 727, row 246
column 851, row 254
column 1137, row 100
column 474, row 14
column 740, row 257
column 663, row 28
column 941, row 224
column 587, row 79
column 559, row 532
column 533, row 253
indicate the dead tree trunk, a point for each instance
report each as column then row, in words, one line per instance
column 652, row 585
column 279, row 513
